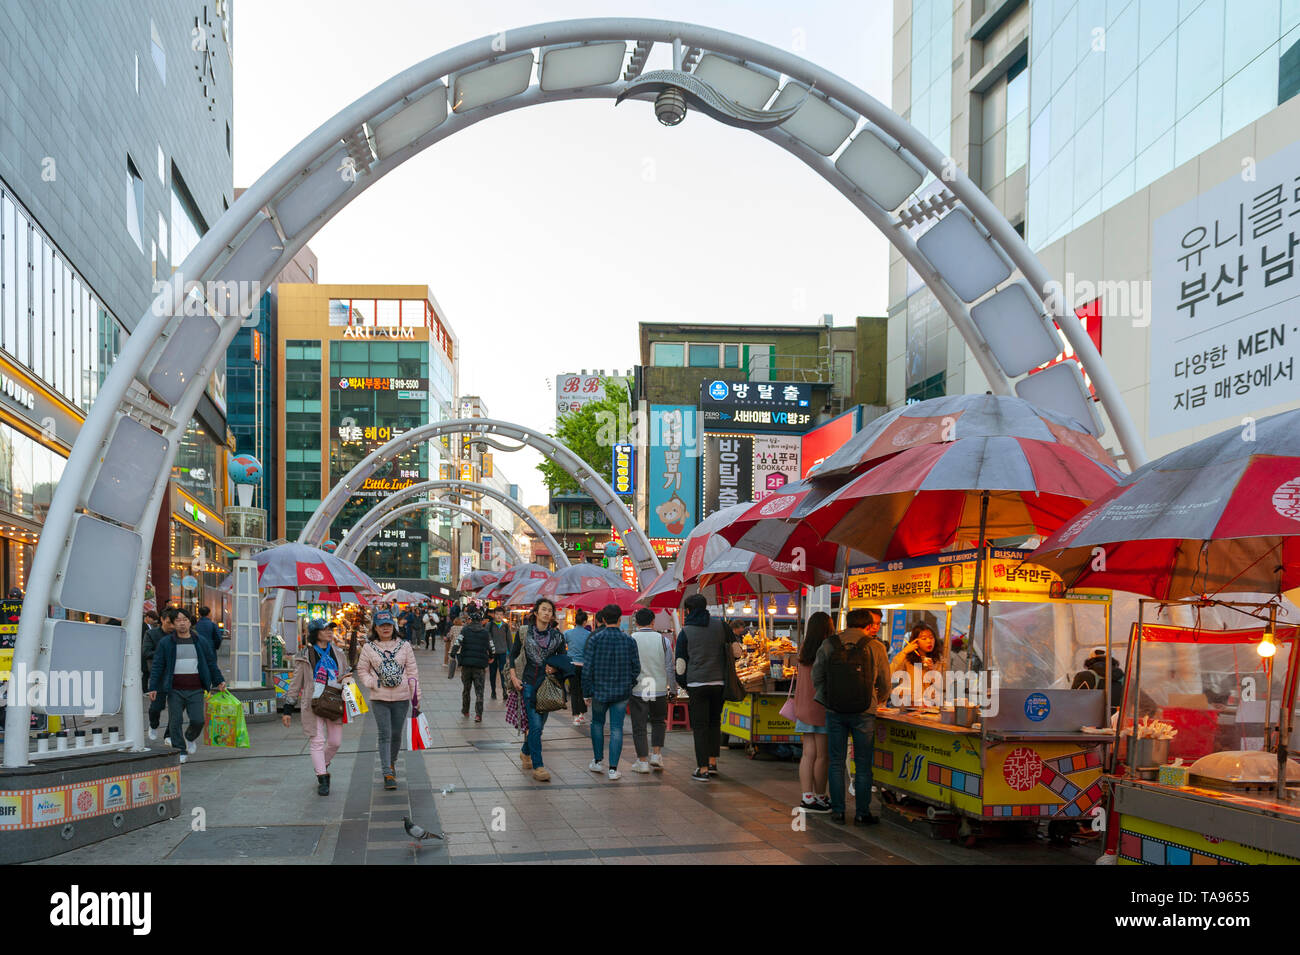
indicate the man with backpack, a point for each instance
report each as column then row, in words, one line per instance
column 850, row 678
column 474, row 651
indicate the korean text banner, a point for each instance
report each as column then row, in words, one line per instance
column 728, row 471
column 1223, row 295
column 747, row 406
column 672, row 471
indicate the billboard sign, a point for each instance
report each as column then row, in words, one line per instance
column 728, row 471
column 622, row 479
column 574, row 391
column 672, row 475
column 756, row 405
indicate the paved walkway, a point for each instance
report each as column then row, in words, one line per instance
column 260, row 805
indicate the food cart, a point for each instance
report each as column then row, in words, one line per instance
column 1209, row 795
column 1026, row 757
column 766, row 670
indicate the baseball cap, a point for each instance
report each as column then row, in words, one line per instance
column 317, row 624
column 382, row 617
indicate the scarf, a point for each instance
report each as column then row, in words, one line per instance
column 537, row 645
column 327, row 668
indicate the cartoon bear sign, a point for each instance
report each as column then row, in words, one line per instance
column 673, row 513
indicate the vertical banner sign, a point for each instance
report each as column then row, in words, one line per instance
column 622, row 480
column 629, row 573
column 728, row 471
column 776, row 463
column 487, row 549
column 444, row 567
column 673, row 474
column 466, row 564
column 1224, row 290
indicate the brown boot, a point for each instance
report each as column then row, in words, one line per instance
column 525, row 761
column 542, row 775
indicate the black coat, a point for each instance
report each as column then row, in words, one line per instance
column 475, row 646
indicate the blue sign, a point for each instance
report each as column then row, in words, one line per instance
column 623, row 477
column 1037, row 706
column 672, row 478
column 188, row 582
column 719, row 390
column 897, row 631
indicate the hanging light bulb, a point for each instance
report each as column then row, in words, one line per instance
column 748, row 608
column 731, row 608
column 771, row 606
column 1266, row 646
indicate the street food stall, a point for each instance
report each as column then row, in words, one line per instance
column 1207, row 792
column 995, row 737
column 766, row 668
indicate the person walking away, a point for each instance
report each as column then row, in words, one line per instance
column 610, row 668
column 649, row 701
column 207, row 627
column 810, row 719
column 850, row 678
column 386, row 668
column 577, row 637
column 453, row 636
column 539, row 650
column 316, row 666
column 156, row 630
column 500, row 631
column 184, row 666
column 473, row 651
column 700, row 648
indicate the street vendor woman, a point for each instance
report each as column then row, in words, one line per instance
column 921, row 649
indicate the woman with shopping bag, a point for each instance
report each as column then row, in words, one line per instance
column 386, row 668
column 321, row 671
column 539, row 663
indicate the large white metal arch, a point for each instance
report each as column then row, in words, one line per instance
column 107, row 500
column 360, row 537
column 465, row 487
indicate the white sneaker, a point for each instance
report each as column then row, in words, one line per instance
column 579, row 720
column 153, row 734
column 640, row 766
column 596, row 766
column 183, row 757
column 614, row 774
column 656, row 762
column 192, row 746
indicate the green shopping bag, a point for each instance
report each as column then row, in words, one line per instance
column 225, row 720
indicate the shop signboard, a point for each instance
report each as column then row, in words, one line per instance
column 776, row 463
column 672, row 474
column 942, row 767
column 629, row 572
column 623, row 469
column 1223, row 294
column 728, row 471
column 380, row 384
column 444, row 566
column 665, row 546
column 574, row 391
column 466, row 564
column 487, row 549
column 748, row 406
column 820, row 443
column 952, row 577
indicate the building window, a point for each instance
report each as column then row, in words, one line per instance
column 668, row 355
column 1288, row 74
column 134, row 204
column 704, row 356
column 730, row 356
column 187, row 224
column 339, row 310
column 156, row 49
column 1017, row 140
column 137, row 74
column 162, row 166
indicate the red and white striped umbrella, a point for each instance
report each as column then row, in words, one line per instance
column 593, row 600
column 524, row 593
column 477, row 580
column 579, row 578
column 295, row 566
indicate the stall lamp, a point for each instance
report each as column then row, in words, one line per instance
column 748, row 608
column 1266, row 646
column 731, row 608
column 771, row 607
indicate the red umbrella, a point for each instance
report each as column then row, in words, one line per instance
column 477, row 580
column 523, row 594
column 593, row 600
column 579, row 578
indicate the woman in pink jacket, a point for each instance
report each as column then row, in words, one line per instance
column 386, row 668
column 810, row 720
column 318, row 664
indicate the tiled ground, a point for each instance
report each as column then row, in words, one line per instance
column 238, row 806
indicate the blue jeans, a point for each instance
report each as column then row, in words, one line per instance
column 536, row 721
column 863, row 728
column 498, row 665
column 617, row 711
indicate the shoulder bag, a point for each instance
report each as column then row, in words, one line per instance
column 328, row 704
column 732, row 691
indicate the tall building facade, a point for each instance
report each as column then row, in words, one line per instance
column 361, row 364
column 115, row 157
column 1147, row 151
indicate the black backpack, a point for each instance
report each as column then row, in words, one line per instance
column 849, row 677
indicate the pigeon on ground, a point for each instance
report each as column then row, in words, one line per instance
column 418, row 833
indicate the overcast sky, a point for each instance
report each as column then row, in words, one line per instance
column 547, row 234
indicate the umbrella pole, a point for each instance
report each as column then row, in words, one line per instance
column 1287, row 704
column 975, row 590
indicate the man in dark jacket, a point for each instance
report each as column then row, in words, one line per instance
column 501, row 639
column 474, row 649
column 161, row 628
column 1093, row 677
column 184, row 666
column 701, row 646
column 611, row 665
column 207, row 627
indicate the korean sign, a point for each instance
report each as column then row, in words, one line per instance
column 1223, row 336
column 776, row 462
column 672, row 475
column 380, row 384
column 487, row 550
column 622, row 479
column 728, row 471
column 952, row 576
column 574, row 391
column 756, row 406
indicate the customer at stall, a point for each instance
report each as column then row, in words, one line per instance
column 810, row 718
column 1093, row 677
column 700, row 648
column 649, row 703
column 922, row 649
column 539, row 651
column 850, row 678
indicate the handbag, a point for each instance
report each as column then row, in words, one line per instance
column 787, row 708
column 549, row 696
column 418, row 734
column 328, row 703
column 451, row 667
column 732, row 691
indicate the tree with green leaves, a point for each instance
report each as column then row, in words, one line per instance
column 590, row 433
